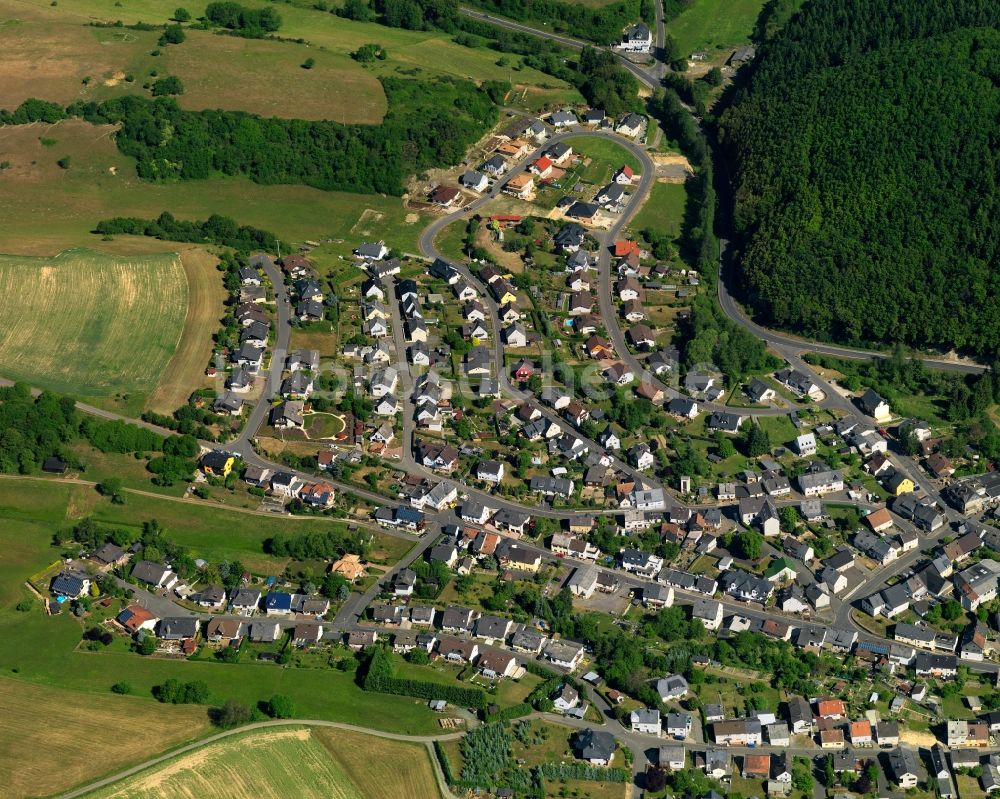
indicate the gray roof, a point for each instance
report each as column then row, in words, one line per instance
column 149, row 572
column 178, row 628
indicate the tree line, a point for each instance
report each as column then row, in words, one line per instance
column 379, row 674
column 217, row 229
column 429, row 123
column 33, row 429
column 866, row 202
column 334, row 542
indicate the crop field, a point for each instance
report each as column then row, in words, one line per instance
column 708, row 24
column 47, row 209
column 206, row 298
column 381, row 769
column 272, row 764
column 317, row 763
column 52, row 739
column 85, row 322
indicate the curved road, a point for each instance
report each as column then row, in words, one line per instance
column 155, row 761
column 798, row 345
column 649, row 77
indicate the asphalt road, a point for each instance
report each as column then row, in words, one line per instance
column 649, row 77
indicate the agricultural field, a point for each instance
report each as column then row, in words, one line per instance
column 714, row 24
column 51, row 54
column 88, row 323
column 329, row 40
column 87, row 736
column 102, row 183
column 379, row 767
column 206, row 300
column 316, row 763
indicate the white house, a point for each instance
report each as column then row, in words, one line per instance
column 637, row 39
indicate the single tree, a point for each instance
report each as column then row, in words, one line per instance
column 280, row 707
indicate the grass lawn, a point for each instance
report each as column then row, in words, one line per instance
column 42, row 651
column 587, row 789
column 453, row 751
column 928, row 407
column 329, row 40
column 102, row 183
column 450, row 241
column 779, row 428
column 323, row 425
column 663, row 209
column 969, row 787
column 55, row 50
column 212, row 533
column 708, row 24
column 437, row 673
column 85, row 322
column 606, row 157
column 513, row 692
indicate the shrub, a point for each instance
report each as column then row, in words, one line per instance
column 168, row 86
column 172, row 34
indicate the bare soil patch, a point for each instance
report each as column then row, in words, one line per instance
column 186, row 369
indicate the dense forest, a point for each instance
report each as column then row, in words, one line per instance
column 866, row 152
column 430, row 123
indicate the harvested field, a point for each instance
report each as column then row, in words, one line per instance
column 185, row 370
column 84, row 322
column 381, row 769
column 85, row 734
column 267, row 764
column 304, row 763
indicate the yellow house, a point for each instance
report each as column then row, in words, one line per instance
column 217, row 463
column 899, row 484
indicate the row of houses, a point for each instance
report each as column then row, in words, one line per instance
column 473, row 626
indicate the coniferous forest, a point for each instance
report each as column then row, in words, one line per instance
column 866, row 152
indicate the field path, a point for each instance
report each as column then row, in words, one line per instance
column 421, row 739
